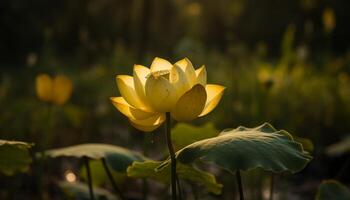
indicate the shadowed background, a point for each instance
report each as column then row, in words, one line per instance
column 283, row 62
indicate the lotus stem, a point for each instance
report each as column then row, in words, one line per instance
column 272, row 182
column 110, row 176
column 194, row 191
column 240, row 187
column 51, row 124
column 179, row 187
column 89, row 179
column 172, row 156
column 343, row 168
column 145, row 149
column 144, row 189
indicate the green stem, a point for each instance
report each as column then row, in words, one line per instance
column 272, row 182
column 179, row 187
column 89, row 179
column 144, row 189
column 50, row 132
column 240, row 187
column 343, row 168
column 110, row 176
column 194, row 191
column 43, row 145
column 145, row 149
column 172, row 156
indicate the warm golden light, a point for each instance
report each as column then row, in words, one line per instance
column 194, row 9
column 53, row 89
column 70, row 176
column 329, row 20
column 178, row 88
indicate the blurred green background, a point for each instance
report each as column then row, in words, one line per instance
column 283, row 62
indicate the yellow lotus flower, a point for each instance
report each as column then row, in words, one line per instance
column 329, row 20
column 56, row 90
column 178, row 89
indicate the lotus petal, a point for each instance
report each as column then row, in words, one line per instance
column 190, row 105
column 214, row 94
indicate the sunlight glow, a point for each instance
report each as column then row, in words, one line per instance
column 70, row 176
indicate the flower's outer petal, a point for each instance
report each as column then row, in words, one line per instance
column 155, row 119
column 145, row 128
column 179, row 81
column 62, row 89
column 214, row 94
column 160, row 93
column 127, row 90
column 44, row 85
column 128, row 110
column 140, row 74
column 190, row 105
column 201, row 74
column 148, row 124
column 186, row 66
column 160, row 64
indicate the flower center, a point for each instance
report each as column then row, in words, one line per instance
column 157, row 74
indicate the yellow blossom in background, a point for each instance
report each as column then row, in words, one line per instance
column 56, row 90
column 43, row 84
column 329, row 20
column 62, row 89
column 194, row 9
column 151, row 92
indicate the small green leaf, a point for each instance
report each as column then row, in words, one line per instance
column 98, row 173
column 14, row 157
column 332, row 190
column 248, row 148
column 340, row 147
column 79, row 190
column 117, row 157
column 184, row 134
column 148, row 169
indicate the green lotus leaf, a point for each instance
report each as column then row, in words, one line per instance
column 14, row 157
column 148, row 169
column 305, row 142
column 339, row 148
column 79, row 190
column 184, row 134
column 117, row 157
column 332, row 190
column 248, row 148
